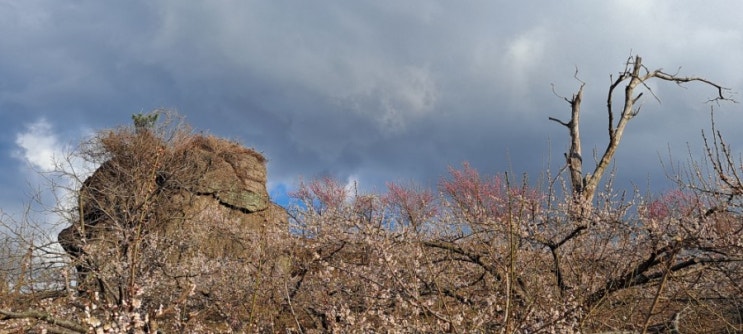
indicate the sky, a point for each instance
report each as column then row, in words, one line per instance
column 367, row 91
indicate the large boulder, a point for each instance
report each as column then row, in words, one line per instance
column 158, row 204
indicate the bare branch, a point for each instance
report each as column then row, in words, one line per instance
column 72, row 326
column 559, row 121
column 680, row 80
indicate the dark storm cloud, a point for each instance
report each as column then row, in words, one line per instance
column 367, row 90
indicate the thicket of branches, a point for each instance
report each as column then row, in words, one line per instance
column 480, row 253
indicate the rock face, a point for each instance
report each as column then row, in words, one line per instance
column 233, row 175
column 148, row 195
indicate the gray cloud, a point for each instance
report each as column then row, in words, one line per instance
column 377, row 90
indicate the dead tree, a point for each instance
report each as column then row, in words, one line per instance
column 634, row 75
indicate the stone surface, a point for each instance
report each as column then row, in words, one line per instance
column 236, row 176
column 214, row 187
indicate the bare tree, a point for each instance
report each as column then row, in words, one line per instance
column 635, row 75
column 584, row 185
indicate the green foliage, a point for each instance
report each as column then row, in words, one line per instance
column 145, row 121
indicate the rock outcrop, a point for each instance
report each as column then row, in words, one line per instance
column 163, row 203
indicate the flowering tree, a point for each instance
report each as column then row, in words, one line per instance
column 480, row 253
